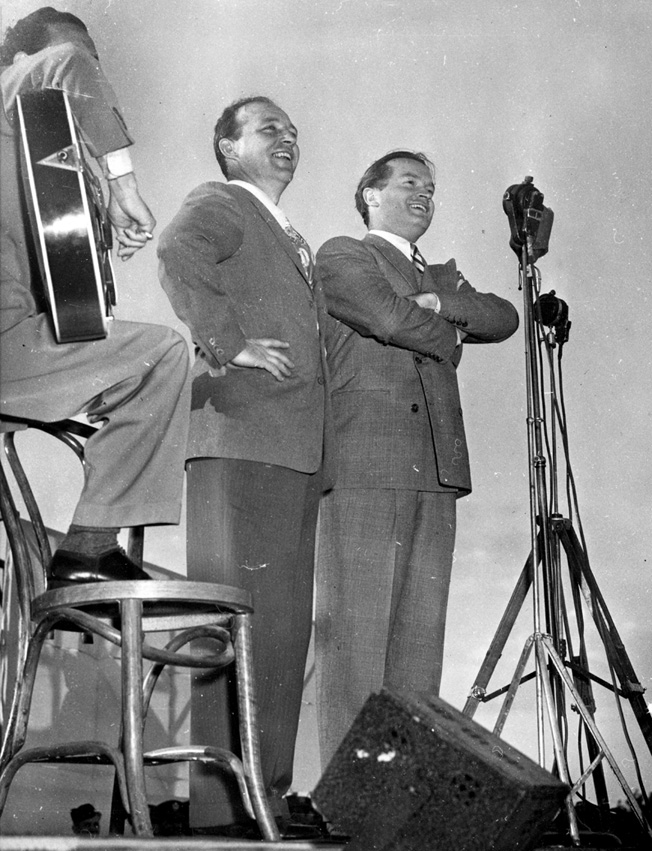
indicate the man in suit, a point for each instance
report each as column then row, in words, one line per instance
column 241, row 278
column 134, row 381
column 387, row 528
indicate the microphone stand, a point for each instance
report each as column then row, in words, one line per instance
column 549, row 533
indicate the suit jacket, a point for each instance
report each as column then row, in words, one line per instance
column 396, row 404
column 231, row 274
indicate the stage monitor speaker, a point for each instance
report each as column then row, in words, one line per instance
column 415, row 774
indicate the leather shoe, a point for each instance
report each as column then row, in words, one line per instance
column 70, row 568
column 290, row 829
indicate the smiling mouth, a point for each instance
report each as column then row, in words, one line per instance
column 422, row 208
column 282, row 155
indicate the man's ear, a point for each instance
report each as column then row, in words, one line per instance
column 371, row 197
column 226, row 147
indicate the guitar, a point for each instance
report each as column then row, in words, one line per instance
column 70, row 227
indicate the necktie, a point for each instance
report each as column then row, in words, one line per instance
column 417, row 259
column 303, row 250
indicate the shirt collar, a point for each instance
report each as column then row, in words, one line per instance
column 403, row 245
column 264, row 199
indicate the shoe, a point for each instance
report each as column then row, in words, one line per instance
column 290, row 829
column 69, row 568
column 304, row 822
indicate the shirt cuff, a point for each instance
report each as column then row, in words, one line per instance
column 117, row 163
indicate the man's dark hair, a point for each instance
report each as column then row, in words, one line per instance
column 31, row 34
column 229, row 126
column 378, row 174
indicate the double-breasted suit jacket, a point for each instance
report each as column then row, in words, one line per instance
column 396, row 403
column 387, row 528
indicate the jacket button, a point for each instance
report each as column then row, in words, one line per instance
column 414, row 408
column 320, row 380
column 417, row 359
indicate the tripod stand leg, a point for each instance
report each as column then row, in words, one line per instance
column 545, row 642
column 579, row 665
column 497, row 645
column 614, row 647
column 583, row 686
column 560, row 755
column 513, row 687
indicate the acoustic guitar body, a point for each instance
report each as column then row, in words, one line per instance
column 68, row 217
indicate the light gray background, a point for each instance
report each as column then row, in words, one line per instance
column 560, row 89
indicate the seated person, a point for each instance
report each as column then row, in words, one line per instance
column 134, row 381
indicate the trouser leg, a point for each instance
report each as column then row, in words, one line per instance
column 252, row 525
column 382, row 578
column 135, row 383
column 354, row 576
column 425, row 543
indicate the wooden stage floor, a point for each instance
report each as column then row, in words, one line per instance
column 75, row 843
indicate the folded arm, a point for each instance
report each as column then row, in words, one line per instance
column 482, row 317
column 359, row 295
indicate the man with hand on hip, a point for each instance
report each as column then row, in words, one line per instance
column 241, row 277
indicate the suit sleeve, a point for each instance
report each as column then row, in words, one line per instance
column 485, row 317
column 91, row 96
column 192, row 252
column 360, row 296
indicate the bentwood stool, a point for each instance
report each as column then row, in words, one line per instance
column 122, row 613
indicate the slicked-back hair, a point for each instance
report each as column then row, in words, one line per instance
column 229, row 126
column 378, row 174
column 31, row 34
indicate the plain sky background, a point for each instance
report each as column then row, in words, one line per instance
column 491, row 91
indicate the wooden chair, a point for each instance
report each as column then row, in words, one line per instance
column 122, row 613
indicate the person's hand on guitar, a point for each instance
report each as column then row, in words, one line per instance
column 129, row 214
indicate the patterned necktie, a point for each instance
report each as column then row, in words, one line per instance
column 417, row 259
column 303, row 250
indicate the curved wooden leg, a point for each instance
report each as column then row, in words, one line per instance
column 249, row 727
column 132, row 715
column 15, row 731
column 54, row 752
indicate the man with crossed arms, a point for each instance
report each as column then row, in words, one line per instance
column 387, row 529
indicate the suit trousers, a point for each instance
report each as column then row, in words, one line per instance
column 133, row 382
column 252, row 525
column 384, row 560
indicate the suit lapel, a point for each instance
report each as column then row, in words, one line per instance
column 428, row 281
column 407, row 284
column 270, row 221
